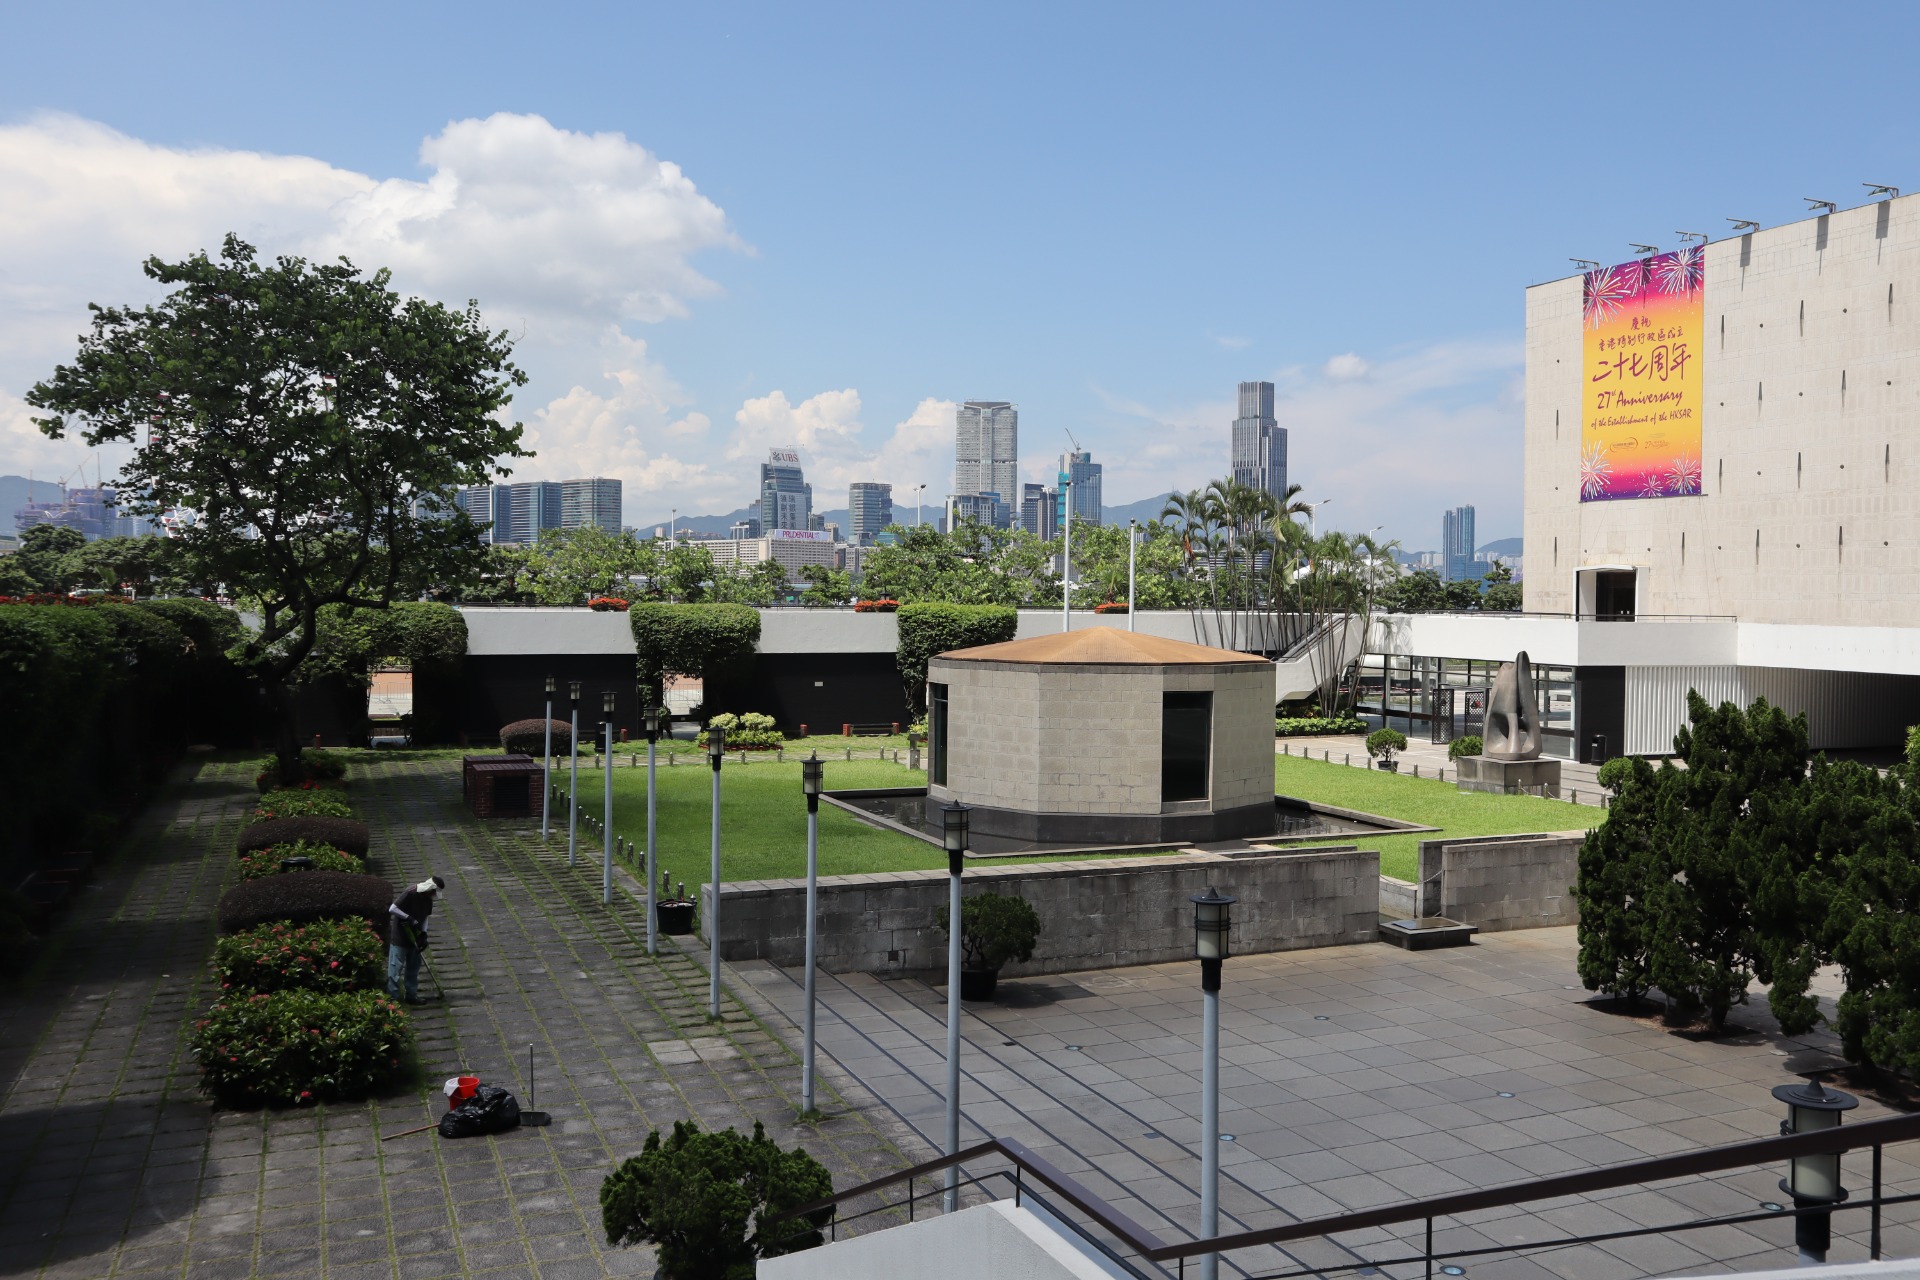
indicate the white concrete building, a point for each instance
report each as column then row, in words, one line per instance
column 1787, row 568
column 792, row 549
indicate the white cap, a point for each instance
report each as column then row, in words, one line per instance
column 430, row 885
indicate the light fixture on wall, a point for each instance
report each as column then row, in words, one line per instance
column 1744, row 224
column 1878, row 189
column 1644, row 249
column 1701, row 236
column 1585, row 264
column 1813, row 204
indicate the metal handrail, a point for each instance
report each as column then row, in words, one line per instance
column 1871, row 1133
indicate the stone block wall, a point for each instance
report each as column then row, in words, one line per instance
column 1093, row 914
column 1502, row 882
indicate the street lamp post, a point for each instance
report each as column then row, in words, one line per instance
column 606, row 829
column 1066, row 558
column 653, row 872
column 1133, row 542
column 1212, row 916
column 546, row 767
column 573, row 766
column 953, row 825
column 812, row 776
column 1313, row 507
column 919, row 499
column 1813, row 1181
column 716, row 749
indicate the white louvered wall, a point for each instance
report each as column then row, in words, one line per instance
column 1843, row 708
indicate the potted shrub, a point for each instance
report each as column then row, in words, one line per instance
column 1468, row 745
column 714, row 1203
column 1382, row 744
column 994, row 930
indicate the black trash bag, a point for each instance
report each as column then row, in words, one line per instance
column 490, row 1110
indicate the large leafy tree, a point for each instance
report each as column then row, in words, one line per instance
column 568, row 566
column 313, row 421
column 1622, row 863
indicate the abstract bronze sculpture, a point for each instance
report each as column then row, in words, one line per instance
column 1513, row 716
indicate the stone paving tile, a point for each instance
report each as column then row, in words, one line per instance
column 1325, row 1124
column 111, row 1164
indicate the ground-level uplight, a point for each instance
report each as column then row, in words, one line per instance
column 1813, row 1181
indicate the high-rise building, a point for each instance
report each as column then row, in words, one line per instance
column 986, row 448
column 1078, row 468
column 1456, row 545
column 94, row 512
column 1039, row 511
column 477, row 501
column 522, row 511
column 981, row 508
column 1259, row 442
column 871, row 505
column 748, row 528
column 786, row 499
column 594, row 502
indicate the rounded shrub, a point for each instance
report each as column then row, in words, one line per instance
column 1467, row 745
column 317, row 766
column 1384, row 742
column 326, row 955
column 287, row 1048
column 307, row 801
column 748, row 731
column 266, row 862
column 302, row 898
column 529, row 737
column 344, row 834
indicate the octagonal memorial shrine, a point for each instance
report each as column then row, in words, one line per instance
column 1103, row 736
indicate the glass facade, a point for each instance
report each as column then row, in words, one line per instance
column 1408, row 694
column 1186, row 739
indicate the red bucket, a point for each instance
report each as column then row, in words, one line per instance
column 464, row 1088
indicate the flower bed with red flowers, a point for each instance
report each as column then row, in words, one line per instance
column 289, row 1048
column 266, row 862
column 1111, row 606
column 326, row 955
column 608, row 604
column 884, row 605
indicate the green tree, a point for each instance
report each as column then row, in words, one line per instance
column 46, row 556
column 714, row 1203
column 303, row 413
column 14, row 579
column 570, row 566
column 930, row 628
column 827, row 587
column 705, row 641
column 761, row 585
column 1622, row 861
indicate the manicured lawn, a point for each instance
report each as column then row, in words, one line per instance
column 1422, row 800
column 763, row 819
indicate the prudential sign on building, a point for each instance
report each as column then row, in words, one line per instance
column 1640, row 411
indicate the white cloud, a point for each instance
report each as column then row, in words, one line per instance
column 1345, row 368
column 564, row 237
column 1231, row 343
column 827, row 431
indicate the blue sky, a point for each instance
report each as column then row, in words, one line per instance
column 1109, row 214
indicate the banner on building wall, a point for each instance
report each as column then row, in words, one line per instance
column 1641, row 393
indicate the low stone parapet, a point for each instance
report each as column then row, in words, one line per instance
column 1502, row 882
column 1093, row 915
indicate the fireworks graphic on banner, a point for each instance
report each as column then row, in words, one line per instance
column 1608, row 290
column 1595, row 470
column 1680, row 272
column 1684, row 475
column 1651, row 486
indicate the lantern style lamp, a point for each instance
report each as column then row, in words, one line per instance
column 812, row 780
column 606, row 830
column 954, row 820
column 1813, row 1181
column 954, row 817
column 1212, row 919
column 653, row 724
column 546, row 766
column 716, row 750
column 716, row 745
column 655, row 714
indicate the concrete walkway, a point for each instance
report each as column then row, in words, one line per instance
column 111, row 1164
column 1356, row 1077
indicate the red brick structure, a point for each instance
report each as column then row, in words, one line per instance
column 501, row 786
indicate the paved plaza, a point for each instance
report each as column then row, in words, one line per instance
column 1358, row 1077
column 111, row 1163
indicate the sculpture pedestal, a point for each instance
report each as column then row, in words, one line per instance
column 1505, row 777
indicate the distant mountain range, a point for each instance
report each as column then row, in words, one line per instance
column 17, row 491
column 1144, row 510
column 1501, row 547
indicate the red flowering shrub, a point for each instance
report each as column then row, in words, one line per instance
column 326, row 955
column 1111, row 606
column 608, row 604
column 266, row 862
column 289, row 1048
column 886, row 604
column 344, row 834
column 318, row 768
column 309, row 800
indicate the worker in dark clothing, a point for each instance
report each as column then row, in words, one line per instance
column 407, row 937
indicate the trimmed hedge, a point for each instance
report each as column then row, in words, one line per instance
column 217, row 694
column 529, row 737
column 929, row 629
column 710, row 641
column 266, row 862
column 1308, row 726
column 344, row 834
column 326, row 955
column 1469, row 745
column 296, row 1047
column 748, row 731
column 308, row 896
column 306, row 801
